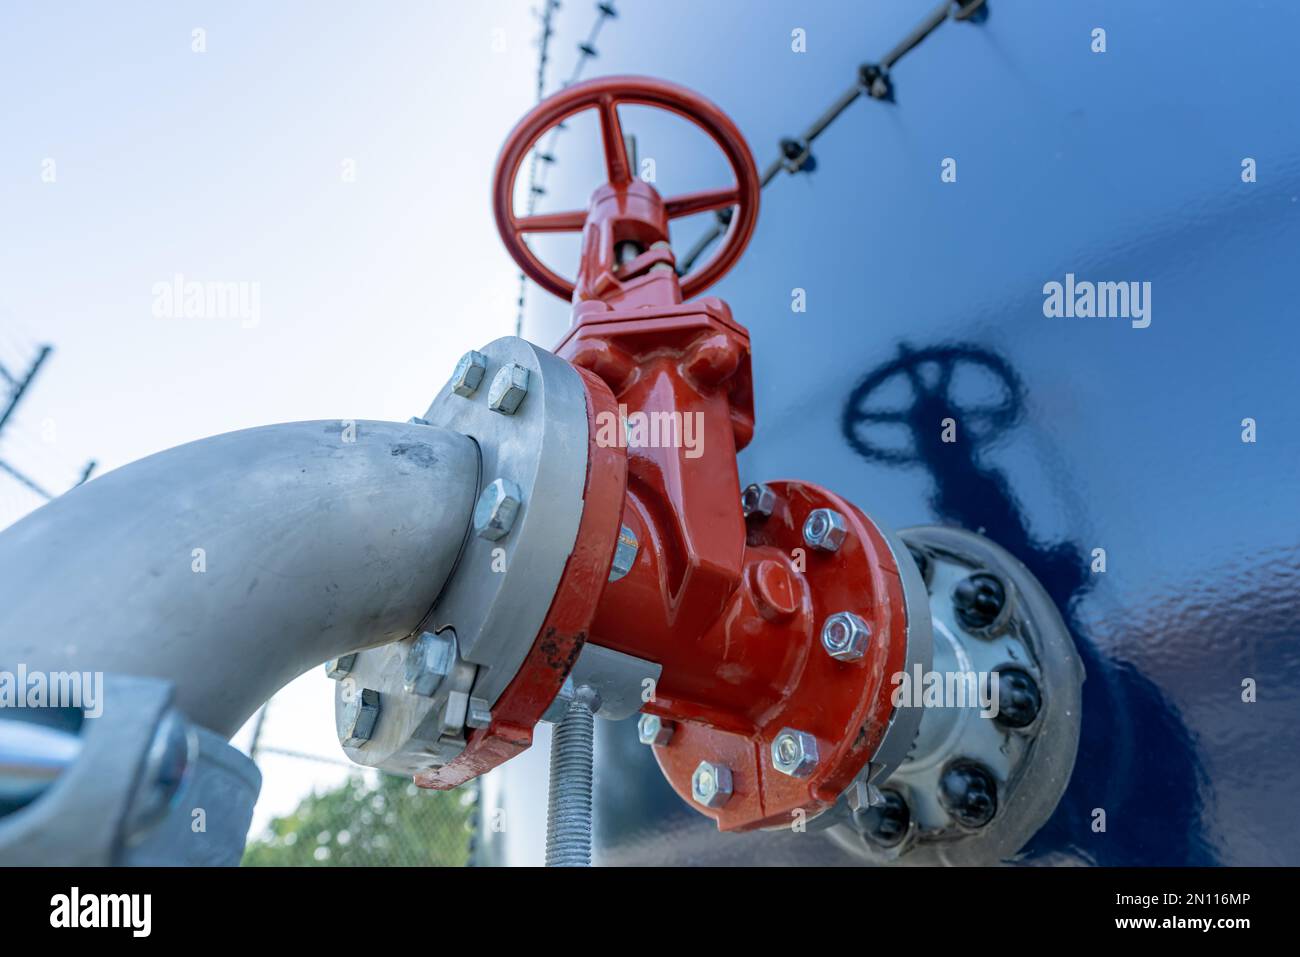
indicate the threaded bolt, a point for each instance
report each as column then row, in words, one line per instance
column 568, row 816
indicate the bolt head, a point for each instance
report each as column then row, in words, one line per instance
column 652, row 729
column 845, row 636
column 794, row 752
column 430, row 659
column 885, row 823
column 1019, row 699
column 824, row 529
column 757, row 501
column 711, row 784
column 624, row 554
column 969, row 793
column 497, row 507
column 357, row 718
column 509, row 386
column 978, row 600
column 468, row 375
column 340, row 667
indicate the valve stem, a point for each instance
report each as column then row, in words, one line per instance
column 568, row 816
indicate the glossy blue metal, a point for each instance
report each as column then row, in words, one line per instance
column 925, row 301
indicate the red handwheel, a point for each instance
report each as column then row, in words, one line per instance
column 604, row 95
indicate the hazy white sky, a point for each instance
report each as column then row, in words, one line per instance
column 130, row 158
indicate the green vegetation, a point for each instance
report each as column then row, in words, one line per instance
column 391, row 823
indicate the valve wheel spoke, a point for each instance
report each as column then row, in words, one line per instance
column 570, row 221
column 701, row 202
column 611, row 132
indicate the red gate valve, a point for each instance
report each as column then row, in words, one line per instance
column 778, row 623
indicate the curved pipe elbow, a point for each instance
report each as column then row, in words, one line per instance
column 234, row 564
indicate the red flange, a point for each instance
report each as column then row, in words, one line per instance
column 766, row 669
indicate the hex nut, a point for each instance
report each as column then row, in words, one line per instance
column 430, row 659
column 794, row 752
column 845, row 636
column 652, row 729
column 508, row 389
column 358, row 717
column 340, row 667
column 469, row 372
column 624, row 554
column 757, row 501
column 711, row 784
column 824, row 529
column 497, row 506
column 479, row 714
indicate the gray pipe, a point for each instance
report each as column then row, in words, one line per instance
column 232, row 565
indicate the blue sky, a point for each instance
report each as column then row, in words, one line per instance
column 228, row 166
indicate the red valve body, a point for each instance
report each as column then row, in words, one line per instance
column 733, row 614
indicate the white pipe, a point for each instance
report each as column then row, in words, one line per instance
column 233, row 564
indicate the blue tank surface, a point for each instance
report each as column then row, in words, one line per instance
column 903, row 278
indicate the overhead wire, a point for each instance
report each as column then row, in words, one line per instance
column 543, row 155
column 873, row 80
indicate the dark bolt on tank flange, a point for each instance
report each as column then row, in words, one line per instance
column 978, row 600
column 1019, row 699
column 968, row 792
column 886, row 823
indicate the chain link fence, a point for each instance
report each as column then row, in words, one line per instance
column 371, row 819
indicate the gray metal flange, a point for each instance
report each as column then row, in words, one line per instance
column 526, row 409
column 905, row 722
column 974, row 787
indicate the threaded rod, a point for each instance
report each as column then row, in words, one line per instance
column 568, row 817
